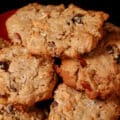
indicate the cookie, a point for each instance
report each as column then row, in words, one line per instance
column 9, row 112
column 70, row 104
column 25, row 79
column 98, row 72
column 56, row 31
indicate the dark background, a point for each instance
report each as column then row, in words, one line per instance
column 110, row 6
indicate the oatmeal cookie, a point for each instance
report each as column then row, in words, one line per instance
column 55, row 30
column 70, row 104
column 25, row 79
column 98, row 72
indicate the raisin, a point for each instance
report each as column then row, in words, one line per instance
column 117, row 59
column 4, row 65
column 57, row 61
column 83, row 62
column 77, row 19
column 3, row 96
column 110, row 49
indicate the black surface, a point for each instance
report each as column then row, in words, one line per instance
column 109, row 6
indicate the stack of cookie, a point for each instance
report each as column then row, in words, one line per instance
column 88, row 50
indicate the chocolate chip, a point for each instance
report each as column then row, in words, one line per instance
column 4, row 65
column 110, row 49
column 54, row 104
column 77, row 19
column 117, row 59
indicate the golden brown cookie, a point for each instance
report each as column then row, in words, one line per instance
column 98, row 72
column 25, row 79
column 70, row 104
column 55, row 30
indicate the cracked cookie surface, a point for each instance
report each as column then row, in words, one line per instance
column 25, row 79
column 70, row 104
column 55, row 30
column 98, row 72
